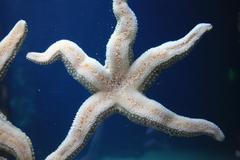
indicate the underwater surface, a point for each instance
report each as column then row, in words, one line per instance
column 43, row 100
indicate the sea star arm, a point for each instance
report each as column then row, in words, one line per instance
column 15, row 142
column 119, row 47
column 150, row 113
column 148, row 65
column 92, row 111
column 10, row 45
column 83, row 68
column 12, row 140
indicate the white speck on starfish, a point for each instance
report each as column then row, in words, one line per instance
column 118, row 84
column 12, row 140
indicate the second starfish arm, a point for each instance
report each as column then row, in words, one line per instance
column 15, row 142
column 84, row 69
column 148, row 65
column 119, row 48
column 10, row 45
column 92, row 111
column 150, row 113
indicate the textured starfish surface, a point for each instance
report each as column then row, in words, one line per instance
column 13, row 141
column 118, row 85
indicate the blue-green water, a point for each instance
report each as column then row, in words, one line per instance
column 43, row 100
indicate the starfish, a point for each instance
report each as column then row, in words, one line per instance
column 117, row 86
column 13, row 141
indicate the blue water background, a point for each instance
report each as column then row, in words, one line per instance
column 44, row 99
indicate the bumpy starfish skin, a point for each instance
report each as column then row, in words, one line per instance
column 12, row 140
column 117, row 85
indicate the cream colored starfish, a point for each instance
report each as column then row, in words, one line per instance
column 117, row 86
column 12, row 140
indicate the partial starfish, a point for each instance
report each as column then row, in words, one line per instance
column 13, row 141
column 117, row 86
